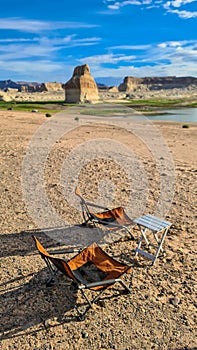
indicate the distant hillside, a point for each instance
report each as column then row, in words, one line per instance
column 24, row 86
column 6, row 84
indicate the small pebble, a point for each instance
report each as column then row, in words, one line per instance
column 84, row 334
column 175, row 301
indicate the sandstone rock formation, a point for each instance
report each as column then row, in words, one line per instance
column 131, row 84
column 13, row 87
column 81, row 87
column 51, row 87
column 5, row 97
column 13, row 90
column 28, row 88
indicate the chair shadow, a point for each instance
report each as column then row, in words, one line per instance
column 70, row 236
column 32, row 304
column 25, row 300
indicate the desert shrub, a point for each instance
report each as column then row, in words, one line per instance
column 77, row 118
column 185, row 126
column 48, row 115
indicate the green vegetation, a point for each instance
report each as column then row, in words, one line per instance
column 103, row 111
column 42, row 106
column 48, row 115
column 153, row 106
column 162, row 103
column 185, row 126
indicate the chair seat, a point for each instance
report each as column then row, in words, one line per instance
column 116, row 215
column 97, row 265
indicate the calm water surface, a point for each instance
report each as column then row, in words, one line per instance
column 177, row 115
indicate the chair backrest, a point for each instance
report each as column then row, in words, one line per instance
column 84, row 205
column 78, row 193
column 59, row 263
column 106, row 215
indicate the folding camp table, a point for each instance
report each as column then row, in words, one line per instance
column 158, row 229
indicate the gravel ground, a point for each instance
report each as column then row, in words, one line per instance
column 160, row 312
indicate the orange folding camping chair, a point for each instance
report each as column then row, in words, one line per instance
column 115, row 218
column 91, row 269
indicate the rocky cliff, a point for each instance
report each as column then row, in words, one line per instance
column 6, row 85
column 51, row 87
column 81, row 87
column 131, row 84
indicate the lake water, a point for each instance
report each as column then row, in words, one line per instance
column 177, row 115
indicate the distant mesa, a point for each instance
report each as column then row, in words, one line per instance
column 81, row 88
column 11, row 86
column 131, row 84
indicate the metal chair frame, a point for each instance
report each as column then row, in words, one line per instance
column 58, row 264
column 91, row 217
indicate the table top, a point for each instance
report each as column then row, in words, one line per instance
column 153, row 223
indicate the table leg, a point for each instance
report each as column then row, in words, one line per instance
column 160, row 245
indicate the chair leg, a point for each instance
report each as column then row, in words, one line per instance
column 90, row 304
column 94, row 300
column 128, row 290
column 132, row 236
column 51, row 280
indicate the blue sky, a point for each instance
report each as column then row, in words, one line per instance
column 43, row 40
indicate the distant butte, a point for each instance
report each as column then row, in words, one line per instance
column 81, row 87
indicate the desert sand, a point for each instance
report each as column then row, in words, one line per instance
column 160, row 312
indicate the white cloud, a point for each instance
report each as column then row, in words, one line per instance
column 33, row 57
column 15, row 40
column 118, row 5
column 37, row 70
column 129, row 47
column 35, row 26
column 179, row 3
column 174, row 6
column 17, row 51
column 107, row 58
column 24, row 67
column 167, row 58
column 162, row 45
column 40, row 47
column 184, row 14
column 114, row 7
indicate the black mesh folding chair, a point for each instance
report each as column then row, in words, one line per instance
column 91, row 269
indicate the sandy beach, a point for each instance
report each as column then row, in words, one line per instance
column 160, row 313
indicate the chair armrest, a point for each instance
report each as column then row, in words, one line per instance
column 96, row 206
column 100, row 283
column 53, row 252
